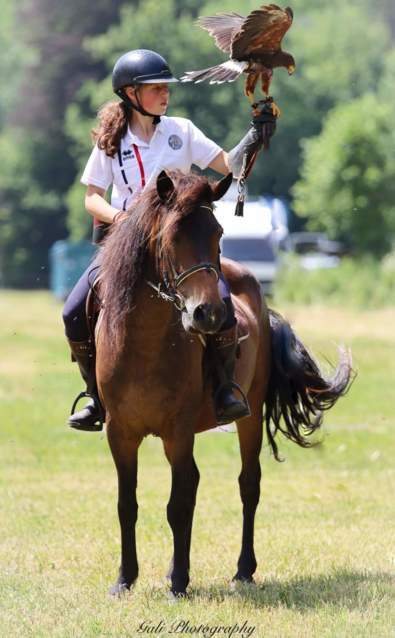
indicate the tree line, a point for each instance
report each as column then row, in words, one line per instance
column 332, row 157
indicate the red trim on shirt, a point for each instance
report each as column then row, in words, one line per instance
column 140, row 163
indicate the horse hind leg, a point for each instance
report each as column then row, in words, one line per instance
column 180, row 509
column 250, row 439
column 124, row 452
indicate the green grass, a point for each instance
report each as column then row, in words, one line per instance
column 357, row 283
column 324, row 531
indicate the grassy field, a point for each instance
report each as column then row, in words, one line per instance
column 324, row 533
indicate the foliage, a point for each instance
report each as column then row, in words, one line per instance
column 365, row 283
column 45, row 68
column 347, row 186
column 58, row 66
column 13, row 63
column 30, row 218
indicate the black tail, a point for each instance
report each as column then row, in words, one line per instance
column 298, row 393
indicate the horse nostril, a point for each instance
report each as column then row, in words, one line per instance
column 200, row 313
column 208, row 316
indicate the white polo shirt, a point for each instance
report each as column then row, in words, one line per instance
column 176, row 144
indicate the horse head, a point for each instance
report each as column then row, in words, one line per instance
column 188, row 248
column 169, row 241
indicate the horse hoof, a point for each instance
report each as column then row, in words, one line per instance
column 118, row 590
column 176, row 596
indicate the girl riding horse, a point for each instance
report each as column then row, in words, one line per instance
column 135, row 141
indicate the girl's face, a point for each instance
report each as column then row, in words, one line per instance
column 154, row 98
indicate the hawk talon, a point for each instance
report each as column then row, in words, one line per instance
column 275, row 109
column 257, row 111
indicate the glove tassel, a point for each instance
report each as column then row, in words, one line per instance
column 241, row 188
column 239, row 210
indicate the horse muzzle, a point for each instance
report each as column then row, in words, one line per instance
column 206, row 318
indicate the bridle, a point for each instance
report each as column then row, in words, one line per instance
column 168, row 289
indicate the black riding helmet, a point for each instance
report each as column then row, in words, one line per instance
column 140, row 66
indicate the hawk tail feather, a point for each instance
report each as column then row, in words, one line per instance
column 225, row 72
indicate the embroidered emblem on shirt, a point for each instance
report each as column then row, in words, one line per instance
column 175, row 142
column 127, row 155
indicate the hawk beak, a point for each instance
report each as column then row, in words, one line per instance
column 291, row 68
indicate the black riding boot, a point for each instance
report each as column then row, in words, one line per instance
column 228, row 407
column 91, row 417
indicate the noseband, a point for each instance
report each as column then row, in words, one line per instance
column 168, row 290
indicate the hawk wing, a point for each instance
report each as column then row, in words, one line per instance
column 262, row 31
column 222, row 27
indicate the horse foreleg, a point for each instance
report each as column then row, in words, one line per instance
column 124, row 451
column 189, row 529
column 185, row 480
column 250, row 438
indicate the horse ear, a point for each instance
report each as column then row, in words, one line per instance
column 164, row 186
column 222, row 186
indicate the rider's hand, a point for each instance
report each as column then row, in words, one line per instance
column 263, row 126
column 264, row 122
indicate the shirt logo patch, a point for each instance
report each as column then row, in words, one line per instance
column 175, row 142
column 127, row 155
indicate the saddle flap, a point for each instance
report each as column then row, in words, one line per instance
column 94, row 304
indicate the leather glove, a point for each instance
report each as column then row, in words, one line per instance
column 263, row 126
column 266, row 121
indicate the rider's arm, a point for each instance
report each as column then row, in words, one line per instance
column 97, row 206
column 261, row 129
column 220, row 163
column 251, row 143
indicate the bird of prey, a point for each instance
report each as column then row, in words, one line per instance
column 253, row 44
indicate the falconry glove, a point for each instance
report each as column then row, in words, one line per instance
column 241, row 159
column 263, row 126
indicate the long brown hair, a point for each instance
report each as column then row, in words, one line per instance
column 113, row 124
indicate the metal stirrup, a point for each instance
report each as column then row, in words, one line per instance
column 95, row 403
column 235, row 386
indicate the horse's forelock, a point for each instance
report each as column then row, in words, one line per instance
column 129, row 242
column 192, row 191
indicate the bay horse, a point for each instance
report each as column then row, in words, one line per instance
column 159, row 276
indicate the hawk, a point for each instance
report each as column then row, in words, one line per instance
column 253, row 44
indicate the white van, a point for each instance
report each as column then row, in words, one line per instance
column 253, row 239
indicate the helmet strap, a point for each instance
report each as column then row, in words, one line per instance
column 137, row 107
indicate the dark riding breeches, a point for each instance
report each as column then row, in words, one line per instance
column 74, row 312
